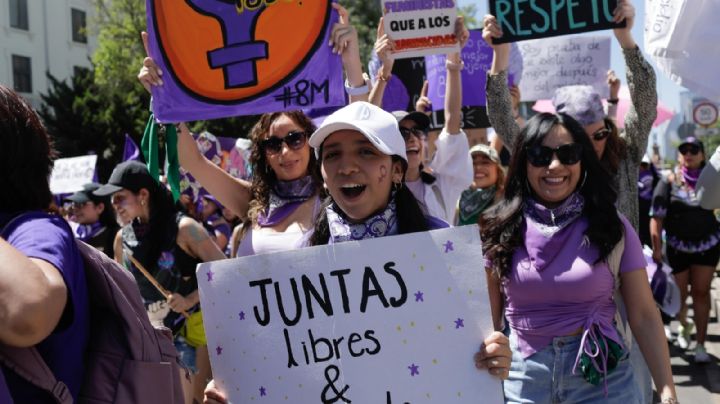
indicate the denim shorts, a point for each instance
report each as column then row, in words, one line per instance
column 186, row 353
column 547, row 377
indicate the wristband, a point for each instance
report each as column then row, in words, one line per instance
column 355, row 91
column 613, row 101
column 452, row 66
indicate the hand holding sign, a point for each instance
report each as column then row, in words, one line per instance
column 501, row 51
column 624, row 12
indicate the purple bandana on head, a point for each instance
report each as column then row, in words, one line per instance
column 85, row 232
column 382, row 224
column 690, row 176
column 285, row 197
column 550, row 221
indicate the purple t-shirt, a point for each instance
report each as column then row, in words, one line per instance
column 49, row 238
column 554, row 288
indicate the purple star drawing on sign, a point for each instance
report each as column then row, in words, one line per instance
column 459, row 323
column 210, row 275
column 263, row 392
column 219, row 350
column 241, row 315
column 448, row 246
column 414, row 369
column 419, row 296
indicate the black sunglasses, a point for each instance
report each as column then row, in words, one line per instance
column 415, row 131
column 542, row 156
column 689, row 148
column 294, row 141
column 602, row 133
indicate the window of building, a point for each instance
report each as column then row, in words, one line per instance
column 19, row 14
column 79, row 26
column 22, row 74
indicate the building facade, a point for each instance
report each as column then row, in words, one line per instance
column 39, row 36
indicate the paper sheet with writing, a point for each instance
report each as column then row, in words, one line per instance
column 551, row 63
column 396, row 319
column 70, row 174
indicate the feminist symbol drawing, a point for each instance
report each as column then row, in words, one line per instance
column 237, row 58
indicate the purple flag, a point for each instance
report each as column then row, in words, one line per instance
column 131, row 152
column 220, row 59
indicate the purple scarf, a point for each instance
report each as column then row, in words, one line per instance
column 383, row 223
column 285, row 197
column 690, row 176
column 85, row 232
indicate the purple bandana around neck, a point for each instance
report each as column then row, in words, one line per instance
column 285, row 197
column 550, row 221
column 690, row 176
column 383, row 223
column 85, row 232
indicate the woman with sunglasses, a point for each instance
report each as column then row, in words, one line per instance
column 692, row 237
column 620, row 155
column 363, row 161
column 549, row 245
column 280, row 204
column 438, row 186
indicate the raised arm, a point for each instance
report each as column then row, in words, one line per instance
column 641, row 82
column 344, row 41
column 499, row 103
column 453, row 88
column 383, row 49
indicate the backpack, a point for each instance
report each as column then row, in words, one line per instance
column 127, row 360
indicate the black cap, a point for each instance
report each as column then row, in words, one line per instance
column 420, row 119
column 131, row 175
column 86, row 194
column 692, row 140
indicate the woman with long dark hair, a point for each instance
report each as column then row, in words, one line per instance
column 169, row 245
column 95, row 217
column 556, row 249
column 692, row 241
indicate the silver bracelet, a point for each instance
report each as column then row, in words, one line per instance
column 355, row 91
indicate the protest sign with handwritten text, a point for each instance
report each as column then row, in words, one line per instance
column 70, row 174
column 555, row 62
column 421, row 28
column 530, row 19
column 226, row 58
column 391, row 320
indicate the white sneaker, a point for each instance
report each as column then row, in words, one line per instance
column 701, row 355
column 668, row 333
column 684, row 332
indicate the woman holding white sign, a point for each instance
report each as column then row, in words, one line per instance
column 437, row 187
column 619, row 154
column 363, row 161
column 557, row 251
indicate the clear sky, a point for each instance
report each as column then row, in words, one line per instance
column 668, row 91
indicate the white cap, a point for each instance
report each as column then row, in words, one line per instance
column 378, row 126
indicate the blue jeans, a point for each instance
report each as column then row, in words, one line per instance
column 186, row 353
column 547, row 377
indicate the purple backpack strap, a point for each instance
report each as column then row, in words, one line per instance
column 29, row 365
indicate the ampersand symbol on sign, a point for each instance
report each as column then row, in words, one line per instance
column 331, row 379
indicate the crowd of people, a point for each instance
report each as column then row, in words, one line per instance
column 562, row 222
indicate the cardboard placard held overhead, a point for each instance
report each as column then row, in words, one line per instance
column 551, row 63
column 421, row 28
column 390, row 320
column 70, row 174
column 531, row 19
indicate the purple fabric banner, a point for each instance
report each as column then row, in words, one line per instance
column 220, row 59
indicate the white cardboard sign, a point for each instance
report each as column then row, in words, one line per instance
column 70, row 174
column 551, row 63
column 391, row 320
column 421, row 28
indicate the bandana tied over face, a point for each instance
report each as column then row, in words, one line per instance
column 383, row 223
column 473, row 202
column 285, row 197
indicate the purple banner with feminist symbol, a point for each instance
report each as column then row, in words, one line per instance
column 224, row 58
